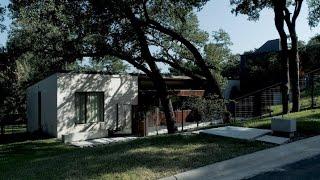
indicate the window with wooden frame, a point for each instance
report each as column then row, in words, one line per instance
column 89, row 107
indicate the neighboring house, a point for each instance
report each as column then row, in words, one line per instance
column 68, row 103
column 257, row 71
column 260, row 79
column 262, row 68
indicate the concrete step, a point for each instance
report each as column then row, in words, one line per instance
column 273, row 139
column 82, row 136
column 237, row 132
column 102, row 141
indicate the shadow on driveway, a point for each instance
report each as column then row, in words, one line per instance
column 305, row 169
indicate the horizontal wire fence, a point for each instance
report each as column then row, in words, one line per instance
column 268, row 101
column 12, row 124
column 155, row 121
column 260, row 103
column 14, row 129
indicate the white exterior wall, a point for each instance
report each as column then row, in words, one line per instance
column 48, row 89
column 121, row 90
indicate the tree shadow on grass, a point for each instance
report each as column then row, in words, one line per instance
column 147, row 158
column 22, row 137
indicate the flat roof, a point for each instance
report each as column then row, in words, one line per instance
column 141, row 76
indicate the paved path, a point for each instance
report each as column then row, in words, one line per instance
column 305, row 169
column 101, row 141
column 259, row 162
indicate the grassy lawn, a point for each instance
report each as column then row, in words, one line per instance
column 305, row 103
column 146, row 158
column 308, row 122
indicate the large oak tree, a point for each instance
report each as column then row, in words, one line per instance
column 63, row 31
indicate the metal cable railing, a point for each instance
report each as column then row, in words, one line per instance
column 268, row 101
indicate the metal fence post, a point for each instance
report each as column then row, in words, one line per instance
column 145, row 124
column 312, row 91
column 2, row 127
column 117, row 117
column 157, row 119
column 270, row 110
column 182, row 120
column 198, row 123
column 234, row 111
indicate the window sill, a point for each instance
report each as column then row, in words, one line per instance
column 90, row 123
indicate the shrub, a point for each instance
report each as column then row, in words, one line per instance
column 209, row 109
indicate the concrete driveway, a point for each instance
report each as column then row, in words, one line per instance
column 305, row 169
column 256, row 163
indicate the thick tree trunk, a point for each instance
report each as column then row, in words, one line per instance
column 294, row 74
column 166, row 104
column 213, row 87
column 285, row 82
column 279, row 22
column 155, row 74
column 293, row 53
column 294, row 58
column 163, row 94
column 169, row 113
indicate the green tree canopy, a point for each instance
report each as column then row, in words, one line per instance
column 314, row 12
column 215, row 51
column 2, row 14
column 48, row 36
column 314, row 40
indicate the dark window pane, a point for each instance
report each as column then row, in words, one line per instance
column 89, row 107
column 101, row 107
column 80, row 107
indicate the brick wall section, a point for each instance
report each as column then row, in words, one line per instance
column 190, row 93
column 180, row 115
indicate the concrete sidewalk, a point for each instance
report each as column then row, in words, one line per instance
column 252, row 164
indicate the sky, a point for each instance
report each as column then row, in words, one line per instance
column 245, row 35
column 4, row 35
column 248, row 35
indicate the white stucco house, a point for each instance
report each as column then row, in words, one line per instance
column 69, row 104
